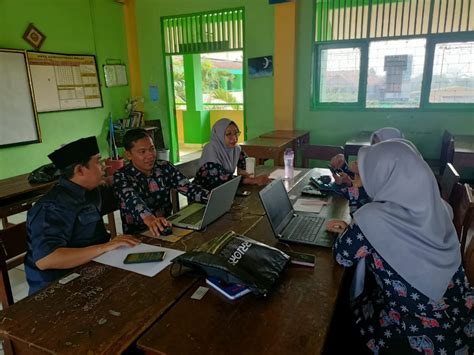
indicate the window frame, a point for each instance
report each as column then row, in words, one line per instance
column 364, row 44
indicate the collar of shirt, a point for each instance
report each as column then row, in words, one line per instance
column 156, row 171
column 75, row 189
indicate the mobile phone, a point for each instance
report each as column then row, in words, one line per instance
column 149, row 257
column 243, row 193
column 301, row 258
column 334, row 170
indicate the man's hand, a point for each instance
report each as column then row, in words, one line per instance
column 122, row 241
column 156, row 224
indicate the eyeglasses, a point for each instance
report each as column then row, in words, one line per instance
column 235, row 134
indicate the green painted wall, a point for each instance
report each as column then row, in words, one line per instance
column 335, row 126
column 74, row 27
column 259, row 41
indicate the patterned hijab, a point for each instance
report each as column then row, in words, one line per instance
column 216, row 151
column 384, row 134
column 407, row 222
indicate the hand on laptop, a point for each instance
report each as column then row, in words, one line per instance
column 258, row 180
column 336, row 226
column 156, row 224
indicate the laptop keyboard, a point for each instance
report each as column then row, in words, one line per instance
column 305, row 228
column 194, row 218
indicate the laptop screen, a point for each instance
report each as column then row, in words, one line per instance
column 277, row 204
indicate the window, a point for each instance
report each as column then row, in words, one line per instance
column 453, row 73
column 395, row 73
column 385, row 54
column 339, row 81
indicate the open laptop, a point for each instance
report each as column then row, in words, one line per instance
column 197, row 216
column 289, row 226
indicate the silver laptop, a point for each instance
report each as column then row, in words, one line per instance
column 287, row 225
column 197, row 216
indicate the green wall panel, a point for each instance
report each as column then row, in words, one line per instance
column 259, row 41
column 72, row 27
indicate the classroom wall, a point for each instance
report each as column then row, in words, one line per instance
column 73, row 27
column 424, row 128
column 259, row 41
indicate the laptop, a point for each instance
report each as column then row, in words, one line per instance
column 197, row 215
column 289, row 226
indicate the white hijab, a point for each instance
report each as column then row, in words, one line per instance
column 384, row 134
column 216, row 151
column 407, row 222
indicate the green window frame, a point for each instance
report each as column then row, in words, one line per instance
column 426, row 19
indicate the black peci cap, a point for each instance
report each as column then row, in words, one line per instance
column 74, row 152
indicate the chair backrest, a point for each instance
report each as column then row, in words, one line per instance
column 463, row 208
column 447, row 151
column 468, row 262
column 109, row 205
column 449, row 178
column 318, row 152
column 13, row 246
column 187, row 168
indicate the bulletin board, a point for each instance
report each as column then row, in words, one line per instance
column 18, row 117
column 64, row 82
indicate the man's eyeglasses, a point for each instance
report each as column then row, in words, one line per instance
column 235, row 134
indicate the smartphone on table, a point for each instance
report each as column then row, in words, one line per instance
column 149, row 257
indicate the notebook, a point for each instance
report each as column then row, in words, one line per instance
column 196, row 216
column 287, row 225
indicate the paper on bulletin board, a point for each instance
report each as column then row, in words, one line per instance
column 115, row 75
column 116, row 257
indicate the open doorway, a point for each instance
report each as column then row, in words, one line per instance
column 217, row 92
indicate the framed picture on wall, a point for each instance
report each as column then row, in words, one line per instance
column 34, row 36
column 260, row 67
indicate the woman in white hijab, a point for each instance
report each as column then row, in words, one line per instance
column 222, row 155
column 420, row 300
column 384, row 134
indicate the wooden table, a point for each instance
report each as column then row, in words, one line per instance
column 267, row 148
column 353, row 145
column 106, row 309
column 299, row 137
column 294, row 318
column 463, row 150
column 17, row 195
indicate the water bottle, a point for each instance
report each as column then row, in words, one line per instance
column 289, row 157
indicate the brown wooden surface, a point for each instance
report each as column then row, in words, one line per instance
column 267, row 148
column 17, row 194
column 294, row 318
column 353, row 144
column 106, row 309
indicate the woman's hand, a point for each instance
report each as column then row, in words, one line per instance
column 258, row 180
column 338, row 161
column 336, row 226
column 156, row 224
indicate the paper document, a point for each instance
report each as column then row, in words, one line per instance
column 309, row 205
column 177, row 234
column 280, row 173
column 117, row 256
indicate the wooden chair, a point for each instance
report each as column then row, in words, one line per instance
column 446, row 155
column 13, row 246
column 449, row 179
column 187, row 168
column 318, row 152
column 109, row 206
column 463, row 207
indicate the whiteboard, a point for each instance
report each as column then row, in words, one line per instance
column 64, row 82
column 18, row 117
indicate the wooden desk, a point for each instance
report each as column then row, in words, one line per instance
column 299, row 137
column 107, row 309
column 463, row 151
column 17, row 195
column 267, row 148
column 294, row 318
column 353, row 145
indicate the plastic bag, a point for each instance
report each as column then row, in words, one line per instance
column 45, row 173
column 237, row 259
